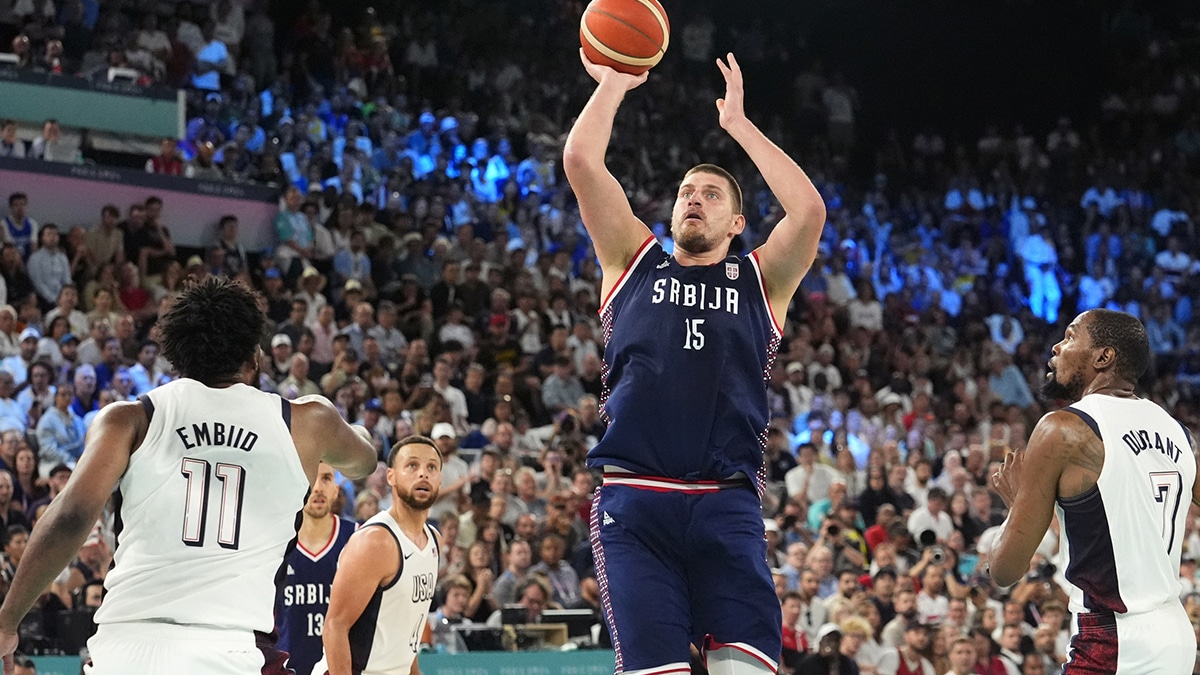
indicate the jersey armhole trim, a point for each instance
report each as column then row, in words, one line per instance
column 286, row 410
column 433, row 538
column 637, row 258
column 399, row 553
column 762, row 286
column 148, row 406
column 1080, row 498
column 1087, row 419
column 1187, row 433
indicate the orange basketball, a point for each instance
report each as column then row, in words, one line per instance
column 628, row 35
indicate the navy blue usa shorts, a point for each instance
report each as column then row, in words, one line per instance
column 681, row 563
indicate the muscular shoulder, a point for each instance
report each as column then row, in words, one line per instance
column 1064, row 438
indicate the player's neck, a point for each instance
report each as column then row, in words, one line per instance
column 411, row 521
column 697, row 259
column 1110, row 386
column 315, row 532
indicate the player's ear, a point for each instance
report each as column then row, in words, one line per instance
column 1104, row 358
column 739, row 224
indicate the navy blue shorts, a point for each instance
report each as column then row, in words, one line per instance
column 681, row 563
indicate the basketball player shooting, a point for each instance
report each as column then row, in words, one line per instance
column 1118, row 470
column 688, row 340
column 210, row 474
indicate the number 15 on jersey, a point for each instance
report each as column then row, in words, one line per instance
column 694, row 338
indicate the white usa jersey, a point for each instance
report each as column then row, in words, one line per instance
column 207, row 509
column 385, row 638
column 1122, row 539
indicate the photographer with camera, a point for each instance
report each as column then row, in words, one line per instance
column 839, row 534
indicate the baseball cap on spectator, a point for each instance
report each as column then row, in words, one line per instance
column 410, row 238
column 30, row 333
column 769, row 525
column 489, row 450
column 448, row 123
column 8, row 309
column 443, row 429
column 194, row 261
column 891, row 398
column 825, row 348
column 795, row 367
column 373, row 404
column 59, row 468
column 68, row 338
column 352, row 286
column 427, row 118
column 280, row 339
column 273, row 273
column 828, row 629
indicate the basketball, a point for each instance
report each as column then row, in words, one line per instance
column 627, row 35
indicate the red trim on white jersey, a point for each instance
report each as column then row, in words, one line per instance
column 762, row 286
column 637, row 258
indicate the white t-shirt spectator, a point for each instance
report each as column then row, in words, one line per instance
column 921, row 519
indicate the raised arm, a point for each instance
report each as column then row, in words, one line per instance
column 115, row 433
column 321, row 435
column 792, row 245
column 615, row 231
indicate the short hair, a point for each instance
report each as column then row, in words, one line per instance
column 1126, row 335
column 191, row 339
column 153, row 199
column 415, row 439
column 735, row 190
column 856, row 624
column 110, row 209
column 457, row 581
column 15, row 196
column 791, row 595
column 228, row 219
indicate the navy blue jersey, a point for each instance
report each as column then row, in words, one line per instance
column 304, row 599
column 686, row 357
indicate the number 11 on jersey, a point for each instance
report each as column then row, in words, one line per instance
column 195, row 510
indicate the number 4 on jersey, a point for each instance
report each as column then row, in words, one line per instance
column 195, row 511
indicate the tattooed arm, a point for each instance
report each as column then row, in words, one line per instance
column 1064, row 459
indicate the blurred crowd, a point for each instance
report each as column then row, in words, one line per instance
column 431, row 275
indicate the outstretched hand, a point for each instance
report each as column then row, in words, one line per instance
column 731, row 108
column 1008, row 478
column 599, row 73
